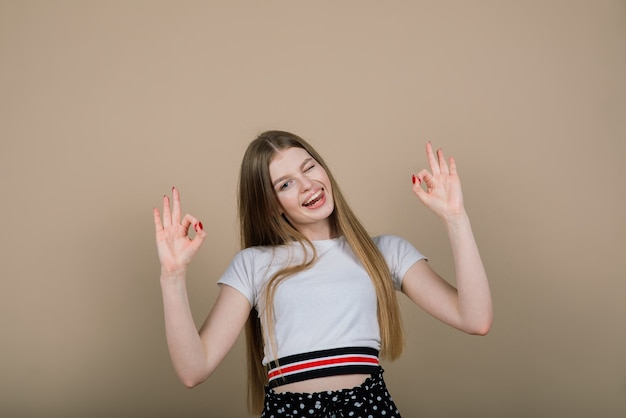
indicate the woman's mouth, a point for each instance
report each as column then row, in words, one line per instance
column 315, row 199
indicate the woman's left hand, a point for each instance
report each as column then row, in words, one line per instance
column 442, row 192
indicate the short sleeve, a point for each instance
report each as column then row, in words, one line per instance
column 399, row 254
column 240, row 275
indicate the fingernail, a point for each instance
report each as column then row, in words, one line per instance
column 200, row 226
column 414, row 179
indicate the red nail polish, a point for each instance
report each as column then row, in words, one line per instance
column 200, row 225
column 413, row 178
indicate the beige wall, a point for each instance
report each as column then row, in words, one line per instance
column 104, row 105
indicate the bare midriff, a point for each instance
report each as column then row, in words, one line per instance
column 323, row 384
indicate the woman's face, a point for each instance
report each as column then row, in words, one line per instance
column 303, row 191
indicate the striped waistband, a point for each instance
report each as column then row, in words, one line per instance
column 332, row 362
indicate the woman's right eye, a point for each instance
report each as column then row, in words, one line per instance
column 284, row 185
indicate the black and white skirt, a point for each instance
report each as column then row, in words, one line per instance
column 368, row 400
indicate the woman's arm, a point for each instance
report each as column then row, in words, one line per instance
column 467, row 307
column 195, row 355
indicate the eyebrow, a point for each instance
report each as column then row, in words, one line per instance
column 278, row 180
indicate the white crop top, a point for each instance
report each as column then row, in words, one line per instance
column 332, row 304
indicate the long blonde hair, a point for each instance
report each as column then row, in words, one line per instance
column 261, row 224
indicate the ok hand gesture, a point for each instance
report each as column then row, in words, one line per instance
column 174, row 246
column 442, row 193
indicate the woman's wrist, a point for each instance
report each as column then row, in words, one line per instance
column 173, row 274
column 455, row 220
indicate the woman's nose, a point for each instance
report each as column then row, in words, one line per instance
column 306, row 183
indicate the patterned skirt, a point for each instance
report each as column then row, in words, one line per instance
column 368, row 400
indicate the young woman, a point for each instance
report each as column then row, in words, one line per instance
column 316, row 293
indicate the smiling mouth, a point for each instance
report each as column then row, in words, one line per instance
column 314, row 199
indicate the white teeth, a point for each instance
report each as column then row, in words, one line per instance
column 313, row 198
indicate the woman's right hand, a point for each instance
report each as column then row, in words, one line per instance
column 174, row 246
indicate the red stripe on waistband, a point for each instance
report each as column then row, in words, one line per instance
column 320, row 363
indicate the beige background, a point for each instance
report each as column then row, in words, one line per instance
column 104, row 105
